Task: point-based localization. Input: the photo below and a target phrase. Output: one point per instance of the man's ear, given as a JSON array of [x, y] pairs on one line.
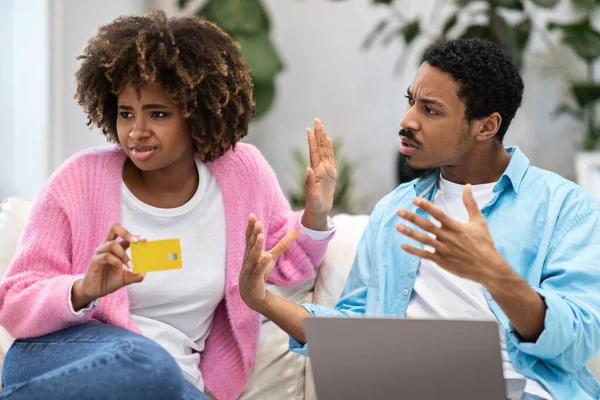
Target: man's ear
[[487, 127]]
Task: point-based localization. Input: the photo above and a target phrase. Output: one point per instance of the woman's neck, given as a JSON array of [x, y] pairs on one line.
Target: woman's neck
[[168, 187]]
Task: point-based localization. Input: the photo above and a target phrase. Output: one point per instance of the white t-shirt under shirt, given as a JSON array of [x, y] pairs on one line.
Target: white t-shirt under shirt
[[440, 294], [175, 308]]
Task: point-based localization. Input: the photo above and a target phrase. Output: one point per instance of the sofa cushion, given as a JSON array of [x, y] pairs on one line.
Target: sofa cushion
[[332, 274], [278, 373]]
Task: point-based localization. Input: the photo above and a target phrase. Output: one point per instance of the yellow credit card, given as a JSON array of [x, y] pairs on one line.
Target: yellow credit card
[[156, 255]]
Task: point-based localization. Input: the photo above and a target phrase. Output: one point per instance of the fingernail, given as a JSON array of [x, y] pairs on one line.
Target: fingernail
[[125, 268], [401, 228], [130, 265], [134, 239], [401, 213]]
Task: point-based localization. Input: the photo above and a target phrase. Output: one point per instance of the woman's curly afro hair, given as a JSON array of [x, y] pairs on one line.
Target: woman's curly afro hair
[[197, 64]]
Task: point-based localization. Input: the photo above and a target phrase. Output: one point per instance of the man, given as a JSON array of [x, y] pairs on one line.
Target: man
[[481, 234]]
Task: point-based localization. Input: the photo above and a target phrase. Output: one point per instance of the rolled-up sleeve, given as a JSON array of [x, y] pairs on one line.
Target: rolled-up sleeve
[[570, 288]]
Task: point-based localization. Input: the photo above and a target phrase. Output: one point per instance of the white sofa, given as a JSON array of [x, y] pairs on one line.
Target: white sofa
[[278, 374]]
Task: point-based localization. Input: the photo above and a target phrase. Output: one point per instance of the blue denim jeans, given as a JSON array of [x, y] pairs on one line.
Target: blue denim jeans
[[93, 361]]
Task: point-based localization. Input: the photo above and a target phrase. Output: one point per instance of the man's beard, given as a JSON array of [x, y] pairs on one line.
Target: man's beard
[[405, 173]]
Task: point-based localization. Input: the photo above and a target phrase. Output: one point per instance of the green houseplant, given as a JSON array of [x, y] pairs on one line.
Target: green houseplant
[[248, 23], [583, 38], [484, 19]]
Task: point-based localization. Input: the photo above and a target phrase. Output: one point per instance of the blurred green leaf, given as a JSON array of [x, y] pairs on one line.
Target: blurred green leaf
[[382, 1], [581, 37], [545, 3], [450, 23], [592, 138], [411, 31], [511, 4], [563, 109], [586, 4], [523, 30], [264, 96], [387, 39], [237, 17], [586, 93], [375, 32], [261, 56], [182, 3], [477, 31], [507, 37], [503, 33]]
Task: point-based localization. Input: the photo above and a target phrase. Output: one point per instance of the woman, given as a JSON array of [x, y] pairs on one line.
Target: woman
[[175, 96]]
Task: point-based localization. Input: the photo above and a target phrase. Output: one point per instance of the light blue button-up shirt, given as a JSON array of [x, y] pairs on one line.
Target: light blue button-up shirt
[[548, 230]]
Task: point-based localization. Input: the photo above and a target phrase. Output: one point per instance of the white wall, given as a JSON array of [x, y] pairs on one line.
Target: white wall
[[42, 124], [6, 102], [354, 92], [24, 97]]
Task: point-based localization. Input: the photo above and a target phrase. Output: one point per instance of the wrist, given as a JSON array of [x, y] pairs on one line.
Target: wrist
[[262, 307], [78, 296], [315, 221], [498, 276]]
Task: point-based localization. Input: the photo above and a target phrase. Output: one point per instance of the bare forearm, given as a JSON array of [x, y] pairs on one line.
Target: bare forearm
[[523, 306], [286, 314], [79, 299]]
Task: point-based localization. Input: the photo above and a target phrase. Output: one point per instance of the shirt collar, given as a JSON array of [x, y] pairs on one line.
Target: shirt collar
[[513, 175]]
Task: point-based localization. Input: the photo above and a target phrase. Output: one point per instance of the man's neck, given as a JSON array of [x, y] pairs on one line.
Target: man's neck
[[484, 165]]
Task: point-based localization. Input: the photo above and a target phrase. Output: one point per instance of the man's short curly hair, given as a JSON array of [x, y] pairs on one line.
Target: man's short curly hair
[[488, 78], [197, 64]]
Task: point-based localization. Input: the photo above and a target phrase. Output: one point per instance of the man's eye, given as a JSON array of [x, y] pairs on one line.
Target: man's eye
[[430, 110]]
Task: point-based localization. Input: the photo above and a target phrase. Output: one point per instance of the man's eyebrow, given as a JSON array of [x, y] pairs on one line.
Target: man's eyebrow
[[424, 99]]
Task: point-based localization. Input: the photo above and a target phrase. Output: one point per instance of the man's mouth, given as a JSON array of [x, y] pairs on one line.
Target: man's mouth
[[408, 143]]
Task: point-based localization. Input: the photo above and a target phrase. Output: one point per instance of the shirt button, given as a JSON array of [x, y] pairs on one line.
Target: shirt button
[[233, 287], [252, 364], [405, 292], [239, 324]]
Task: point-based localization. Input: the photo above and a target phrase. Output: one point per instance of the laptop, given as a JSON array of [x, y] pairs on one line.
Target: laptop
[[392, 358]]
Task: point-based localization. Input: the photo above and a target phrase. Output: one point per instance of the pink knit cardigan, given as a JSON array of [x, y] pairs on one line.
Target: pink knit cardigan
[[74, 211]]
